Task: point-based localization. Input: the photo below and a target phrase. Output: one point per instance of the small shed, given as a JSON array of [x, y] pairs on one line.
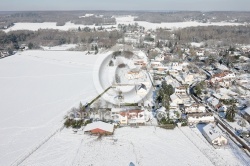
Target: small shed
[[99, 128]]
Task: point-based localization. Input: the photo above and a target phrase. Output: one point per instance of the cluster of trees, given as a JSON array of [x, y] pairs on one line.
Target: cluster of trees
[[199, 87], [34, 39], [227, 35], [61, 17], [231, 113], [126, 54], [75, 118], [164, 94], [181, 16]]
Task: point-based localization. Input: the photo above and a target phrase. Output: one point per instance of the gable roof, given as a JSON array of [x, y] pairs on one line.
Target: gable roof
[[99, 125]]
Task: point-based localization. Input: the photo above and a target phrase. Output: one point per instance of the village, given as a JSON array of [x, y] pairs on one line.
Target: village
[[144, 89], [169, 85]]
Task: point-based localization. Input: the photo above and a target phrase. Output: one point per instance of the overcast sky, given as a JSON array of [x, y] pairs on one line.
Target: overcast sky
[[198, 5]]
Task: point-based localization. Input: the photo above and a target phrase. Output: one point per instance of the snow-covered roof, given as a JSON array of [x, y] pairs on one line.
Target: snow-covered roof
[[247, 110], [213, 101], [212, 132], [162, 109], [174, 97], [216, 95], [99, 125]]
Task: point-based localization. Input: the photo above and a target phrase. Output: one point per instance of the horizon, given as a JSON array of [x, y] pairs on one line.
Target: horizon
[[129, 5]]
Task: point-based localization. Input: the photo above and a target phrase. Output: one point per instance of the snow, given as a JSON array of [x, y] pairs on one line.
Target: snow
[[227, 155], [50, 25], [119, 20], [86, 15], [63, 47], [37, 89], [104, 77], [194, 44], [161, 147], [100, 125]]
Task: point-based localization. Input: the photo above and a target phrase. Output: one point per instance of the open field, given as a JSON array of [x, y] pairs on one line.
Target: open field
[[142, 146], [37, 89]]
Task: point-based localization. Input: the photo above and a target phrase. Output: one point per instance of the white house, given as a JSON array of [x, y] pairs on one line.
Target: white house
[[181, 90], [195, 108], [159, 57], [213, 135], [200, 53], [134, 75], [187, 78], [176, 99], [213, 102], [176, 66]]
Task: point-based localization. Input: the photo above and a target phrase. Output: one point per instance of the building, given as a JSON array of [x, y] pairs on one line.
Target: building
[[225, 75], [176, 66], [134, 74], [187, 78], [181, 90], [213, 135], [200, 118], [213, 102], [176, 99], [246, 114], [194, 108], [99, 128]]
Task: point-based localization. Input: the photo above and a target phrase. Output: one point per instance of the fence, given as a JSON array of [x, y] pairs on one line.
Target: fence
[[22, 158]]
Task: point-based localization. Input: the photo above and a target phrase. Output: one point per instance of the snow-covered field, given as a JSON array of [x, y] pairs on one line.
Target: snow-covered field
[[37, 89], [63, 47], [142, 146], [119, 20], [145, 146]]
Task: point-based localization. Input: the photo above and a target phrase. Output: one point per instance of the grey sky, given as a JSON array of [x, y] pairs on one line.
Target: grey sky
[[229, 5]]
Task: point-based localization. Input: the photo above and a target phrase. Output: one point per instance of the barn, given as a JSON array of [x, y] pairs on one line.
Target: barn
[[99, 128]]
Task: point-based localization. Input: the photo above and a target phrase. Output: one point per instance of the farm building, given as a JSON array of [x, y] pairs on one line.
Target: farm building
[[99, 128]]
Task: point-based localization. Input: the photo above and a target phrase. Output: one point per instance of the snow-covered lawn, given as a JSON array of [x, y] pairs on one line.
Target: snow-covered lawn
[[227, 155], [37, 89], [142, 146]]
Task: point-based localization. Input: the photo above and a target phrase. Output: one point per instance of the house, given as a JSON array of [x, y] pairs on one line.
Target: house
[[159, 58], [246, 114], [187, 78], [200, 53], [213, 102], [225, 75], [213, 135], [99, 128], [200, 118], [142, 89], [155, 64], [134, 74], [134, 117], [195, 108], [176, 66], [139, 62], [222, 108], [181, 90], [176, 99]]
